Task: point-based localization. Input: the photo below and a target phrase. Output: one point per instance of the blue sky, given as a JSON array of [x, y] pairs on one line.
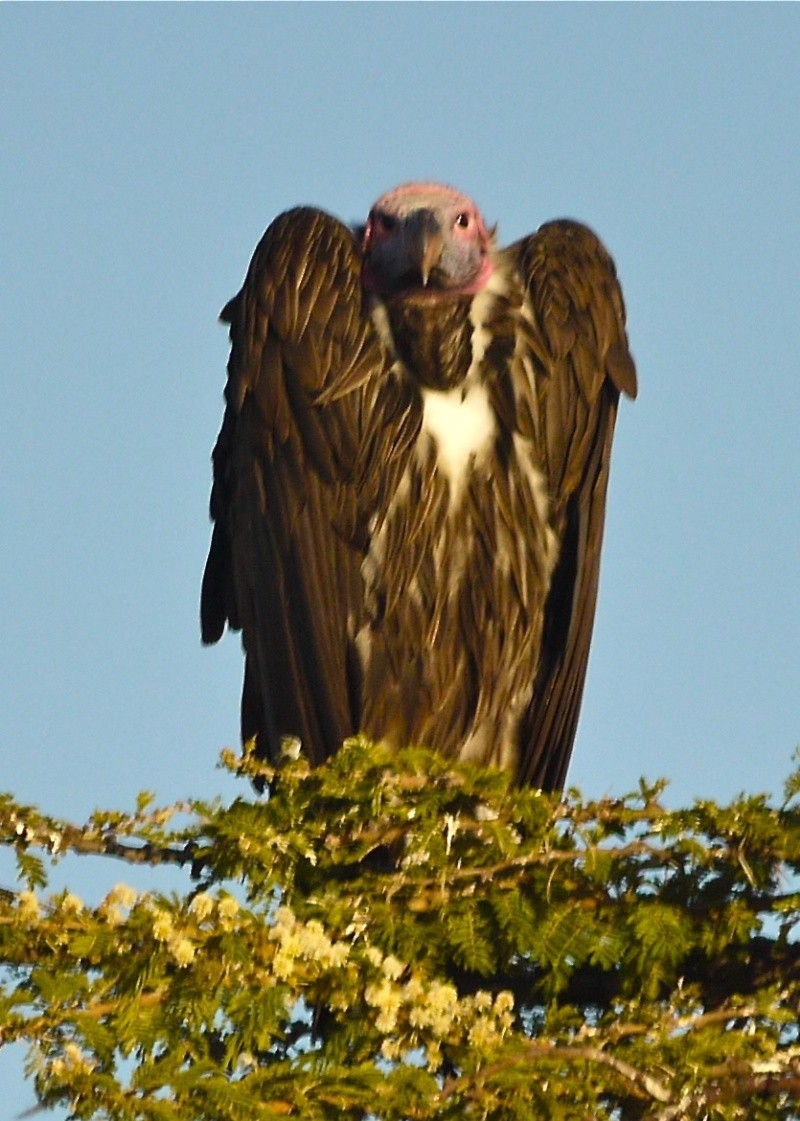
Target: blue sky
[[145, 149]]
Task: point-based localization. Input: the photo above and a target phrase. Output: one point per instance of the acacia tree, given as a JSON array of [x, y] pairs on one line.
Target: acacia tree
[[389, 938]]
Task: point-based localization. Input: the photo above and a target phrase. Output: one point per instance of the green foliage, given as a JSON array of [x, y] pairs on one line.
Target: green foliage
[[390, 938]]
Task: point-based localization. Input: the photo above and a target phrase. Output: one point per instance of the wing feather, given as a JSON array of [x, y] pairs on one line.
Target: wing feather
[[578, 350], [284, 562]]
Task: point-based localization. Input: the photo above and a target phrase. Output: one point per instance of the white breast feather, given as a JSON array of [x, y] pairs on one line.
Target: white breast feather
[[461, 421], [462, 426]]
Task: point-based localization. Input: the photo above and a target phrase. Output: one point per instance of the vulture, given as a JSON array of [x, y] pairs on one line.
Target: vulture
[[409, 483]]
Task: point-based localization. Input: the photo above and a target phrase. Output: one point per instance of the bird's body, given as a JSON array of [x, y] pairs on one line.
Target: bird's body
[[410, 481]]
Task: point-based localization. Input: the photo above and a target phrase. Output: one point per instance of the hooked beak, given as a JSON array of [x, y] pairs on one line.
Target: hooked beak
[[425, 242]]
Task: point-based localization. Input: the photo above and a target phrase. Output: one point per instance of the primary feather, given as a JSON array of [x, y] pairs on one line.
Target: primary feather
[[410, 480]]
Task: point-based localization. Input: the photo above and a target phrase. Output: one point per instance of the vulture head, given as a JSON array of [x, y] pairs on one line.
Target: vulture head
[[426, 239]]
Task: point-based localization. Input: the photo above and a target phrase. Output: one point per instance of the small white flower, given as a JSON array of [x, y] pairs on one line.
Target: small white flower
[[162, 926], [28, 905], [122, 894], [227, 908], [75, 1059], [504, 1002], [202, 905], [338, 954], [284, 916], [433, 1056], [392, 967], [291, 748], [482, 1033], [390, 1049], [182, 950], [374, 956]]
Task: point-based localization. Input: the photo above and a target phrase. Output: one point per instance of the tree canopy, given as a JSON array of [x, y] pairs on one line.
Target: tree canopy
[[391, 938]]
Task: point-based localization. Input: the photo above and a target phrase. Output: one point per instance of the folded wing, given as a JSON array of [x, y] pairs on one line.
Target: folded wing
[[284, 561], [578, 353]]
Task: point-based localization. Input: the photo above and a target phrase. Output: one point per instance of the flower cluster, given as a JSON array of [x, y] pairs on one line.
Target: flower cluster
[[203, 906], [303, 942], [180, 947], [120, 899], [414, 1013], [28, 906], [73, 1061]]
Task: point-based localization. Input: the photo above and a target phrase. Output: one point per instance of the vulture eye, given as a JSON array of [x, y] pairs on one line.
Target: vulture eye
[[387, 222], [463, 219]]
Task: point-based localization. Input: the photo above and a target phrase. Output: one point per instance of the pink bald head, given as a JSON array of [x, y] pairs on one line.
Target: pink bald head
[[426, 239]]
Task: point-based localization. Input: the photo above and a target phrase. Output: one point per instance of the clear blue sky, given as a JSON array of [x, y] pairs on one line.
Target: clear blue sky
[[145, 149]]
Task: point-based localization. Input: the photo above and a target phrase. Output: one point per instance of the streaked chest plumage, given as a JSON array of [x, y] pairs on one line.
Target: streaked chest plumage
[[461, 550]]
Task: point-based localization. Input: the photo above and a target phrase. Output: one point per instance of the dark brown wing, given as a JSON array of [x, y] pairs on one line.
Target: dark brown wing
[[284, 561], [579, 354]]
